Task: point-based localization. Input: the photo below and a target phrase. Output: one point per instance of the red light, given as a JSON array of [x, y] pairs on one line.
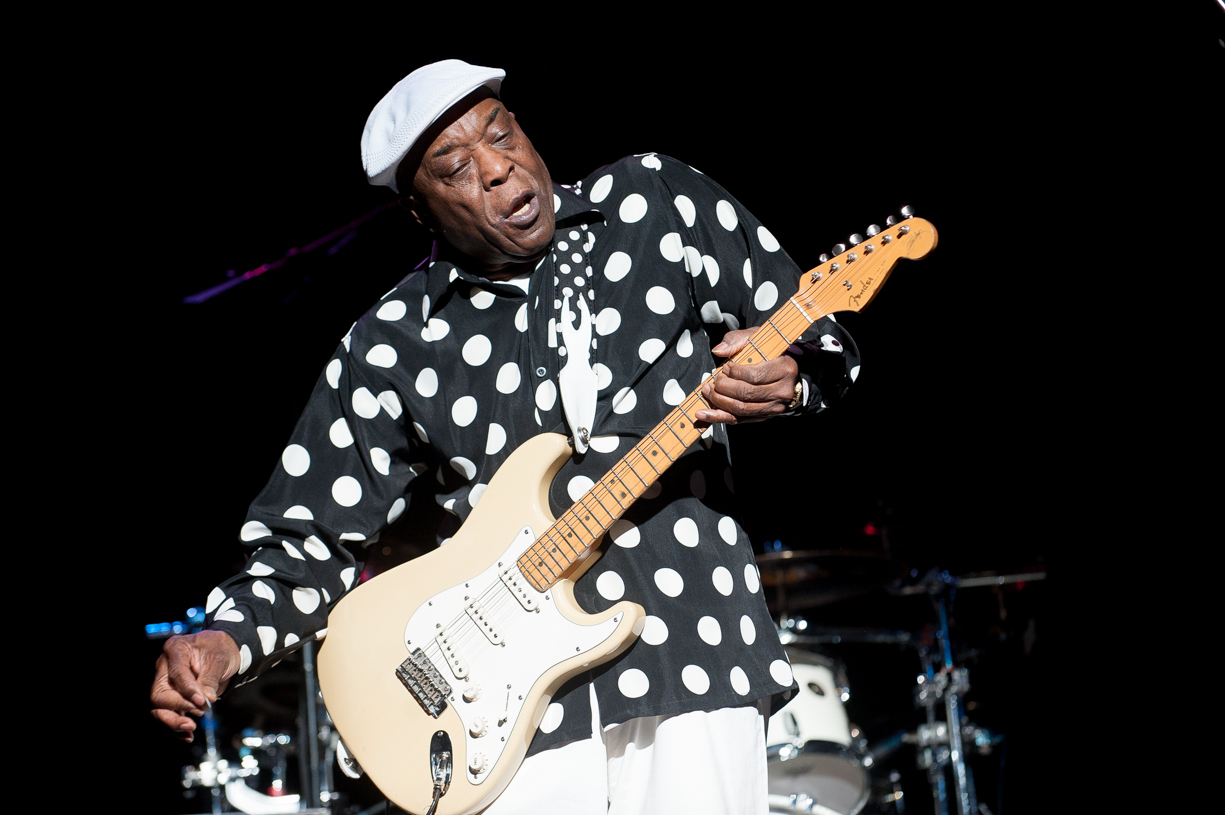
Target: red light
[[869, 528]]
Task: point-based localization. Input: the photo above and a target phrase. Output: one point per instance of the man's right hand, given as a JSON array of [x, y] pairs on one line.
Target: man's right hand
[[191, 673]]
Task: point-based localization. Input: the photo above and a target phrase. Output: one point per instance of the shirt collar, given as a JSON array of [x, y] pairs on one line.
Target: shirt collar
[[571, 210]]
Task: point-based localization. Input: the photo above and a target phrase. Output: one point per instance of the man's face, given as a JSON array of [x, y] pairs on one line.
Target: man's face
[[483, 189]]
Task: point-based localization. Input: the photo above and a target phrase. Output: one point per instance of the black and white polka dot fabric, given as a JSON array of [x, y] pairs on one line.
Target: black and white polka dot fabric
[[450, 372]]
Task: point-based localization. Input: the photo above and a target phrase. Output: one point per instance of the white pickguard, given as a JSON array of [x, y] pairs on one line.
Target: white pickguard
[[530, 643]]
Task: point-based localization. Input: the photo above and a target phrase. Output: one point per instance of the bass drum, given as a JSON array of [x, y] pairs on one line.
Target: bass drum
[[811, 762]]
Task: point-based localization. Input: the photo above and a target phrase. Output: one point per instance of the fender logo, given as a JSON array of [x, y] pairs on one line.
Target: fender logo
[[863, 288]]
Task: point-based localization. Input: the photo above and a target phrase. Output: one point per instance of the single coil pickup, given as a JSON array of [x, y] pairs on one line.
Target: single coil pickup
[[459, 665], [477, 612], [519, 588], [425, 683]]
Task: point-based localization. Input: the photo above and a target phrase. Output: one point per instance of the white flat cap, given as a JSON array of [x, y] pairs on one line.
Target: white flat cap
[[414, 104]]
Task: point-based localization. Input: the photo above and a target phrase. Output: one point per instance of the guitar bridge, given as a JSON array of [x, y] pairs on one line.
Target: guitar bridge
[[427, 685]]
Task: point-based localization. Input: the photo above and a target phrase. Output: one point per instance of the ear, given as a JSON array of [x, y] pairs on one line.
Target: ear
[[419, 213]]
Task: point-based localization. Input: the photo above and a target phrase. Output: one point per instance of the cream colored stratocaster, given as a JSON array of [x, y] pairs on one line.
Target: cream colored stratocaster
[[438, 672]]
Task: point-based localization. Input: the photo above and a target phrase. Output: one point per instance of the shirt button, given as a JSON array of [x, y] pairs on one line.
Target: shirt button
[[541, 372]]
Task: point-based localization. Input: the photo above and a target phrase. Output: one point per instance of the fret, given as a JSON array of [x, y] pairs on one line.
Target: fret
[[595, 515], [770, 322], [641, 452], [662, 449], [761, 357], [583, 523], [684, 446], [556, 562], [613, 494], [539, 554], [626, 462], [571, 533], [574, 551]]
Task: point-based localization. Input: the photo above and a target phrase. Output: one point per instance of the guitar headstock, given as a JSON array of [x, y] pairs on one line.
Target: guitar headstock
[[851, 279]]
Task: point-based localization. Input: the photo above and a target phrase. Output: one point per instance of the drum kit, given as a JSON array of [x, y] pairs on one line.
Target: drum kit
[[818, 761]]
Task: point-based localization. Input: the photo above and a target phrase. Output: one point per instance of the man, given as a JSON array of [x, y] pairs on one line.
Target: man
[[589, 310]]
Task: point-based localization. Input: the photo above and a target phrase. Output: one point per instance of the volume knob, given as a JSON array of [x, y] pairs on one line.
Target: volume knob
[[478, 727], [477, 763], [472, 693]]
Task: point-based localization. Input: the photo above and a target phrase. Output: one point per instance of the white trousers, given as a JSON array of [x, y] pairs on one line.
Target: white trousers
[[709, 762]]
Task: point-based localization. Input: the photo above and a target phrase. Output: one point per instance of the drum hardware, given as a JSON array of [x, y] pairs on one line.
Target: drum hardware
[[807, 579]]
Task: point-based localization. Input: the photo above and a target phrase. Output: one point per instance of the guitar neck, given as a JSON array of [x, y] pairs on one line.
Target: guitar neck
[[845, 283]]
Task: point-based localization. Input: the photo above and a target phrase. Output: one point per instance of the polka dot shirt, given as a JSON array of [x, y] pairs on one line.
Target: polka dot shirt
[[448, 373]]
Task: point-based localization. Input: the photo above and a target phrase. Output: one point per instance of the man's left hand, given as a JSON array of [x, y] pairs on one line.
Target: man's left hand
[[747, 393]]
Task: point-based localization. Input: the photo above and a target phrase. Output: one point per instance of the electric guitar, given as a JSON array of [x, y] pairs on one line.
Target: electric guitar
[[437, 672]]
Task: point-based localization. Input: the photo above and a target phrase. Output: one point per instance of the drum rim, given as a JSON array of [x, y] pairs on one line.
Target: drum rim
[[829, 748]]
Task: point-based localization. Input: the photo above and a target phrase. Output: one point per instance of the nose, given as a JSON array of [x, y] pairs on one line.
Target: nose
[[495, 166]]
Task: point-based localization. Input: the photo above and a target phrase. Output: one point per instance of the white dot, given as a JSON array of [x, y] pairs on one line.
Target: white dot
[[748, 631], [685, 207], [291, 551], [421, 434], [391, 403], [660, 300], [546, 395], [364, 404], [726, 214], [633, 683], [260, 570], [684, 345], [655, 632], [781, 672], [768, 241], [633, 208], [299, 512], [748, 272], [521, 318], [686, 531], [722, 580], [712, 268], [651, 162], [316, 548], [214, 599], [727, 530], [650, 350], [397, 509], [252, 530], [693, 261], [603, 376], [291, 639], [475, 494], [267, 638], [697, 484], [671, 248], [353, 536], [556, 202], [435, 330], [711, 312], [610, 586], [381, 460], [709, 631], [617, 266], [605, 444], [496, 439], [624, 534], [346, 491], [381, 356], [766, 296], [482, 298], [553, 715], [607, 321], [392, 310], [476, 350], [751, 579], [425, 307], [577, 487], [463, 411], [464, 467], [669, 582], [346, 576], [244, 655], [740, 681], [340, 434], [730, 321], [854, 373], [295, 459], [508, 378], [226, 606], [332, 373], [673, 393], [624, 401], [695, 679], [600, 189], [307, 600]]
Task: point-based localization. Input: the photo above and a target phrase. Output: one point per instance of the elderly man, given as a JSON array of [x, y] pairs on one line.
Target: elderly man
[[588, 309]]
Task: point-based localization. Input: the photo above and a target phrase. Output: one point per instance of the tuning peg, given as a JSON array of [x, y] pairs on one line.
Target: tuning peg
[[839, 248], [907, 212], [856, 239], [891, 220], [874, 229], [822, 258]]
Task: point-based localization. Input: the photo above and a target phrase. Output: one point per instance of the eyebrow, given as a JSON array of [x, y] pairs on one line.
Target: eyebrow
[[447, 148]]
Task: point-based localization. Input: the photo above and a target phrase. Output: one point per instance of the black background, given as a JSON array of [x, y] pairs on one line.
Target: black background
[[226, 145]]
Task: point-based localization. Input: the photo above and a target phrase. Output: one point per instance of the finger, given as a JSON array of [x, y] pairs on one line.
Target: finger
[[730, 387], [783, 369], [183, 727], [733, 341], [731, 410], [181, 673]]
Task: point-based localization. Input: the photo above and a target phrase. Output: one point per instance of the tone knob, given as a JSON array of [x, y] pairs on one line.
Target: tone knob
[[472, 693], [477, 763], [478, 727]]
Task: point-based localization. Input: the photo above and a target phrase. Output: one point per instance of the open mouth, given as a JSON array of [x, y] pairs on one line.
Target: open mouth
[[524, 209]]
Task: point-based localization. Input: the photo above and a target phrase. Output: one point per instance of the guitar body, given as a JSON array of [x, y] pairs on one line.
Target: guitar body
[[511, 651]]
